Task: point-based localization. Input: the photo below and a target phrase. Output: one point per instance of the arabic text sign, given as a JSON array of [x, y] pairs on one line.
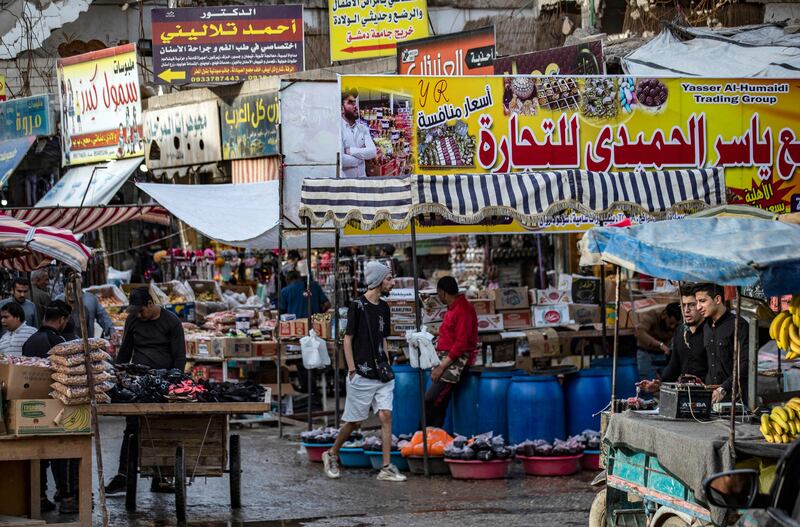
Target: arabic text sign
[[213, 45], [465, 53], [101, 111], [507, 124], [182, 135], [250, 126], [29, 116], [373, 28], [580, 59]]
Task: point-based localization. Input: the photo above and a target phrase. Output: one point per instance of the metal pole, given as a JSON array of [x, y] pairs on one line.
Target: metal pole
[[542, 277], [87, 362], [752, 365], [418, 320], [616, 345], [603, 306], [278, 289], [737, 350], [336, 327], [310, 375]]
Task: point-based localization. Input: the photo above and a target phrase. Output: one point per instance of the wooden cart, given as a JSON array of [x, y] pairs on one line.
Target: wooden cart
[[184, 441]]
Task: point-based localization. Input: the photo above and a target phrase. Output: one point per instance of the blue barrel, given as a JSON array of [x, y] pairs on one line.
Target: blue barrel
[[493, 402], [627, 374], [406, 402], [535, 408], [465, 405], [586, 392]]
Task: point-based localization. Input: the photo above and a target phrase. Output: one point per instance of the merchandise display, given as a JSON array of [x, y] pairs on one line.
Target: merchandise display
[[782, 423], [71, 386]]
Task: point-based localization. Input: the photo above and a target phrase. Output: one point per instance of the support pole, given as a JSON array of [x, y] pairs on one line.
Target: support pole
[[752, 366], [310, 375], [278, 325], [336, 327], [418, 320], [87, 362], [603, 306], [616, 345], [737, 355]]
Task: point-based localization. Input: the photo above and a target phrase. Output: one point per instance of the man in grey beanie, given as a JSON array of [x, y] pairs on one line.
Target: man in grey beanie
[[368, 325]]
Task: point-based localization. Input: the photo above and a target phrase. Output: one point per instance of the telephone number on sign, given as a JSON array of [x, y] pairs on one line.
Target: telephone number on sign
[[217, 78]]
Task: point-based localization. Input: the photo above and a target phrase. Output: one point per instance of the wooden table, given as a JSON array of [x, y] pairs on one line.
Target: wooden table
[[36, 448]]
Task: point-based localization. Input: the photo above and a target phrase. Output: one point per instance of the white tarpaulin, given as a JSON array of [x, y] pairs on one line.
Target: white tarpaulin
[[748, 51], [98, 185]]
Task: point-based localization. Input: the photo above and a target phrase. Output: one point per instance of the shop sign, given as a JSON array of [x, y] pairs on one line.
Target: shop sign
[[182, 135], [250, 126], [464, 53], [101, 111], [29, 116], [373, 28], [2, 88], [11, 153], [218, 45], [579, 59], [604, 123]]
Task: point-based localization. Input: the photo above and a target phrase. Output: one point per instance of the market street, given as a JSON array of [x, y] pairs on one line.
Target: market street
[[283, 489]]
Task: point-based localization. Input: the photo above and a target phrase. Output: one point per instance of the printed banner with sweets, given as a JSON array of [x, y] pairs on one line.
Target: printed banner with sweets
[[373, 28], [250, 126], [465, 53], [101, 108], [499, 124]]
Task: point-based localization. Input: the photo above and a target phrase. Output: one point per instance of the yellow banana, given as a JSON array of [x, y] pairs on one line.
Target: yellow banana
[[792, 428], [794, 335], [784, 438], [795, 301], [780, 412], [795, 400], [765, 420], [781, 423], [783, 333], [776, 324], [794, 405], [796, 317], [790, 413], [777, 430], [770, 438]]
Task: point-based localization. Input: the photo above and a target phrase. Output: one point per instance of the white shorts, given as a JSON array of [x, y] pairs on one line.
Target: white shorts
[[363, 393]]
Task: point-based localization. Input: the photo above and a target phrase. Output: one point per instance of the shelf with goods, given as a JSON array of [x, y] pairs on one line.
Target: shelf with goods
[[390, 127]]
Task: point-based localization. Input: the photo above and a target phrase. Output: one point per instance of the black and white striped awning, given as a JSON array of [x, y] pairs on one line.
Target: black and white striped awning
[[527, 196]]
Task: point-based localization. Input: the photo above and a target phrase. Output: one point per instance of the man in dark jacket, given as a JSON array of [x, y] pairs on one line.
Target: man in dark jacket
[[55, 319]]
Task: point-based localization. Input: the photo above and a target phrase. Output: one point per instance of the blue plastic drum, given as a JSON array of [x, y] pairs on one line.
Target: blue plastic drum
[[586, 394], [535, 408], [493, 402]]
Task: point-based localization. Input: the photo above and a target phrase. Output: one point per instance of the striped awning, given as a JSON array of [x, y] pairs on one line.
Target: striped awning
[[526, 196], [25, 248], [88, 219]]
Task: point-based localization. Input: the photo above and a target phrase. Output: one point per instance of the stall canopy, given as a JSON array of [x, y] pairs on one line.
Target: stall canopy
[[704, 250], [90, 185], [527, 196], [12, 151], [87, 219], [25, 248]]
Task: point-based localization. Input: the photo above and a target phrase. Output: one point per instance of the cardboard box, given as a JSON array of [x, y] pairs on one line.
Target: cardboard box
[[517, 319], [202, 347], [550, 316], [511, 298], [232, 347], [2, 415], [585, 290], [551, 296], [47, 417], [611, 289], [483, 306], [585, 314], [24, 382], [208, 290], [490, 323], [212, 372], [322, 329], [544, 342], [399, 327], [293, 329], [246, 290], [401, 308], [628, 311], [265, 348], [433, 315]]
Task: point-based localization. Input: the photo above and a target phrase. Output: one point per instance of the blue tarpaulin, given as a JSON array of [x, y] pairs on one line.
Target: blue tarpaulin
[[11, 153], [724, 251]]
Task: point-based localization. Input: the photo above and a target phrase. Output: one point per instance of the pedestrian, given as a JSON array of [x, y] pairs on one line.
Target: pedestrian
[[370, 380], [654, 331], [40, 291], [17, 331], [19, 294], [294, 300], [50, 333], [93, 310], [457, 346], [152, 337]]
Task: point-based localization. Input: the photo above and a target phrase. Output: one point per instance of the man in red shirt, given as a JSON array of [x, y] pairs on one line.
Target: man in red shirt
[[457, 347]]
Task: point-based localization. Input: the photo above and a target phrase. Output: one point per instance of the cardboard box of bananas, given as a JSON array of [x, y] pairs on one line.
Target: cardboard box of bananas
[[785, 329], [782, 424]]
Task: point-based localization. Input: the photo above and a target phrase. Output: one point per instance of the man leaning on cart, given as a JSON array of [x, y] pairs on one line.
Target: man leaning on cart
[[152, 337]]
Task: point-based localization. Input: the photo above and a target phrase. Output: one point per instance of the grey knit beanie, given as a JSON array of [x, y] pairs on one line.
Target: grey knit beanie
[[374, 274]]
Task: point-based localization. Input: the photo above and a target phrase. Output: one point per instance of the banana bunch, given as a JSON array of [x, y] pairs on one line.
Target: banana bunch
[[78, 419], [782, 424], [785, 329]]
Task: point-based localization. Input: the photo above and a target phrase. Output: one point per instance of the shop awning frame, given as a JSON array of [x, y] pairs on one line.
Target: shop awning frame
[[26, 248], [87, 219], [90, 185]]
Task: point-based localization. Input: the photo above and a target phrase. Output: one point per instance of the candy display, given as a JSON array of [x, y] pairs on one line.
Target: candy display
[[651, 92], [557, 93], [19, 360], [599, 98], [519, 96], [627, 95], [446, 146]]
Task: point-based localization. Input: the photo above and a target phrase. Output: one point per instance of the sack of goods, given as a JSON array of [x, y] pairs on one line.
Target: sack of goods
[[71, 383]]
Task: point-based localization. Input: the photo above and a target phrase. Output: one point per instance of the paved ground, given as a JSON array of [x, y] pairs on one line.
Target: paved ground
[[280, 488]]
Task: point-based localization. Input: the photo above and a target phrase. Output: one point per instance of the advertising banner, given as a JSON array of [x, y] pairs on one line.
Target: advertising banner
[[749, 127], [29, 116], [373, 28], [3, 88], [101, 110], [182, 135], [218, 45], [250, 126], [456, 54], [580, 59]]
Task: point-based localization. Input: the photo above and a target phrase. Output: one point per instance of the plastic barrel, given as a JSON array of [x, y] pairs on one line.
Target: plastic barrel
[[492, 402], [465, 405], [535, 408], [406, 402], [586, 393], [627, 374]]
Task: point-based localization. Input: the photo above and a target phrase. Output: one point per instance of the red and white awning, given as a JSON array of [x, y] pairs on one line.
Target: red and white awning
[[81, 220], [25, 248]]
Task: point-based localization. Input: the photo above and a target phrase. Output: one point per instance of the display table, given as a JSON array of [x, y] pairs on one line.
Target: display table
[[36, 448]]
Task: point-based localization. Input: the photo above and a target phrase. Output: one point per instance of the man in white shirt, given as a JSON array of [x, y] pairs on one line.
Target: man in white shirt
[[357, 144], [17, 332]]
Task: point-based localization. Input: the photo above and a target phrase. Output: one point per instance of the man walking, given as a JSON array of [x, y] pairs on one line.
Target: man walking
[[370, 381], [457, 347], [19, 294], [17, 331]]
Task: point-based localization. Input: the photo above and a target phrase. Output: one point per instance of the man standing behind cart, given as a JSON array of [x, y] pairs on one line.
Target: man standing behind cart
[[718, 340], [457, 346], [370, 381], [653, 334], [152, 337]]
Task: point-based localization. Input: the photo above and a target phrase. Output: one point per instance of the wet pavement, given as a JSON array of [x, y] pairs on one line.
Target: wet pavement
[[281, 489]]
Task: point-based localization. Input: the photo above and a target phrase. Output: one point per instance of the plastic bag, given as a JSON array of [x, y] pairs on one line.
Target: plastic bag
[[73, 347], [81, 380], [80, 369], [468, 454], [75, 392], [314, 351], [101, 398], [485, 455], [501, 452], [421, 352], [77, 358]]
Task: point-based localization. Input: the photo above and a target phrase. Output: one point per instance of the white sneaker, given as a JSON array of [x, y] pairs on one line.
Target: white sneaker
[[331, 464], [391, 473]]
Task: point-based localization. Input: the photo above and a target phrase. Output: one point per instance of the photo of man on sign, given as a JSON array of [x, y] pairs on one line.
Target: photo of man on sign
[[357, 144]]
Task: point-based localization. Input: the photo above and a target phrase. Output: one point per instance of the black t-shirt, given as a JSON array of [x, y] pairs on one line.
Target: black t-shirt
[[158, 343], [365, 318], [41, 342], [688, 355]]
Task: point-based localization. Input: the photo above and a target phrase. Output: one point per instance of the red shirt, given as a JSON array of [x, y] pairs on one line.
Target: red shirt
[[459, 331]]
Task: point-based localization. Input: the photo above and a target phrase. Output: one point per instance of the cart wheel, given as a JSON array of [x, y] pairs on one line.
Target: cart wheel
[[235, 472], [674, 521], [597, 514], [132, 478], [180, 485]]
